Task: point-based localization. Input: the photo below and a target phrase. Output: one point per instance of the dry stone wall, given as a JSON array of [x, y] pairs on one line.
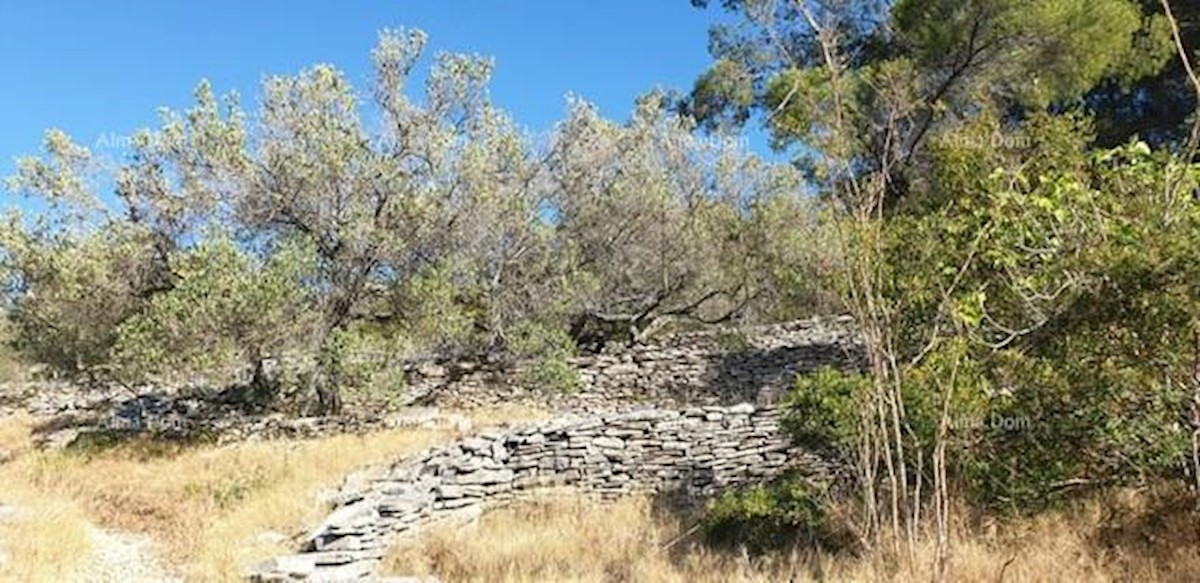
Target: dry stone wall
[[693, 452], [722, 367], [687, 416]]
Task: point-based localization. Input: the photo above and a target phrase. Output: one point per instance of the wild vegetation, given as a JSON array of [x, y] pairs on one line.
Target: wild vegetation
[[212, 511], [1003, 194], [1023, 290], [567, 539]]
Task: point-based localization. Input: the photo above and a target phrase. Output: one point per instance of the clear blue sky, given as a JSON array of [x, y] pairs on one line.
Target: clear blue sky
[[100, 70]]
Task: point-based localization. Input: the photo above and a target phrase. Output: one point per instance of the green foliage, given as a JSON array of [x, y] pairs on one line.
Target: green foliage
[[14, 366], [225, 312], [366, 364], [1040, 302], [723, 91], [1027, 299], [732, 341], [436, 315], [302, 230], [1109, 376], [1068, 328], [790, 250], [73, 292], [914, 70], [773, 517], [660, 226], [824, 409], [545, 353], [1050, 51], [553, 373]]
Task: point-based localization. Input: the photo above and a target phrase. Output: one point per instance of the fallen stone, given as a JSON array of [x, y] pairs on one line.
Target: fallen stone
[[298, 566]]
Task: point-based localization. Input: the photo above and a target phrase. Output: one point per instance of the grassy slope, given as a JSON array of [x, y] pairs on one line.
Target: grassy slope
[[214, 511], [566, 539]]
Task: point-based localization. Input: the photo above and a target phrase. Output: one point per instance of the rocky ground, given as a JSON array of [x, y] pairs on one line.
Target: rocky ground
[[72, 414]]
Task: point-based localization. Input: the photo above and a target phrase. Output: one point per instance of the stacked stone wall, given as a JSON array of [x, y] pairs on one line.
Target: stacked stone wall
[[721, 367], [686, 416], [691, 453]]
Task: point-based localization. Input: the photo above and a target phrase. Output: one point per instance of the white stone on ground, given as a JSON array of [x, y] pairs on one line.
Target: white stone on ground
[[119, 557]]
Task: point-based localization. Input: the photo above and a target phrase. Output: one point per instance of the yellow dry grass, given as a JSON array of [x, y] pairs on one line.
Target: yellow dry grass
[[572, 540], [506, 414], [41, 538], [214, 510], [46, 540]]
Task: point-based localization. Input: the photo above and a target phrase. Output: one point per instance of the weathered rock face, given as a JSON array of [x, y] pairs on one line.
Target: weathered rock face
[[707, 368], [694, 453]]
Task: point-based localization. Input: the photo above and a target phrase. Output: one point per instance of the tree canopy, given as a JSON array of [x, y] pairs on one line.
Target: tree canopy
[[1010, 246], [331, 226]]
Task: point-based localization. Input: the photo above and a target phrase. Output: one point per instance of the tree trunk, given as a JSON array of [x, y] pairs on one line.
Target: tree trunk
[[325, 380], [329, 395], [264, 385]]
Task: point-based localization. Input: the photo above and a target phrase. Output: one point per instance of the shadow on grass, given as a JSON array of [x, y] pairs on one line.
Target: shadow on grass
[[139, 445]]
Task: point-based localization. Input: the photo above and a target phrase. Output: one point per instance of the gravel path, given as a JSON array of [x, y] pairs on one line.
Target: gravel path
[[124, 558]]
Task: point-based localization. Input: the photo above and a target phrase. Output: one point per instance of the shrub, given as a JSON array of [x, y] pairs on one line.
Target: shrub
[[732, 341], [13, 367], [367, 365], [225, 312], [545, 352], [823, 409], [74, 292], [770, 517]]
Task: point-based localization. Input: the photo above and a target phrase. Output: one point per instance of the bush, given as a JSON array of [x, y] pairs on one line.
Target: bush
[[763, 518], [553, 373], [545, 353], [823, 409], [13, 366], [367, 366], [225, 312], [75, 291], [733, 341]]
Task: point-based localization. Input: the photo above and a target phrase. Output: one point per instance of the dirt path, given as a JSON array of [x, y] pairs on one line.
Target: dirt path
[[124, 558]]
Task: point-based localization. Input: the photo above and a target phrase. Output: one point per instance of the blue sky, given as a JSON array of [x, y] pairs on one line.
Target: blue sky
[[100, 70]]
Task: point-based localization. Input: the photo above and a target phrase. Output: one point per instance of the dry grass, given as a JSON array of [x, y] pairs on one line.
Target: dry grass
[[47, 540], [41, 538], [506, 414], [572, 540], [215, 511]]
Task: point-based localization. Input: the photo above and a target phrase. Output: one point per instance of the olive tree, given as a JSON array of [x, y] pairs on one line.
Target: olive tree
[[209, 202], [378, 208], [346, 227], [76, 269], [661, 224]]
